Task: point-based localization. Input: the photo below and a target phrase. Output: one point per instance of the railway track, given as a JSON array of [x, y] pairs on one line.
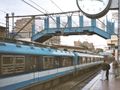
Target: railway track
[[77, 83]]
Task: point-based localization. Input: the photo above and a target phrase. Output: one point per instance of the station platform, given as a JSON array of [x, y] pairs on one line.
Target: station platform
[[97, 84]]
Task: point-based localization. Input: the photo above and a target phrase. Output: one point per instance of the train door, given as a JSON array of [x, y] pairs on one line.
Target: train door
[[57, 62], [33, 63], [19, 64], [79, 60], [48, 62], [30, 63], [39, 63]]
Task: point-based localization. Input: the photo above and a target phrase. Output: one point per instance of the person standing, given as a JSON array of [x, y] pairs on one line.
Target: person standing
[[107, 70], [103, 71], [115, 68]]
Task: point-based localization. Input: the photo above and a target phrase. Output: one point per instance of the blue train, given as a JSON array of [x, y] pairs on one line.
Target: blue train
[[22, 60]]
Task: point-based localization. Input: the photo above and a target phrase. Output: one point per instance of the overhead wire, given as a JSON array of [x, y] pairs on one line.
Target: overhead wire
[[38, 6], [3, 11], [32, 6], [77, 11], [43, 8], [56, 5], [50, 15], [61, 9], [29, 20], [46, 12], [10, 25]]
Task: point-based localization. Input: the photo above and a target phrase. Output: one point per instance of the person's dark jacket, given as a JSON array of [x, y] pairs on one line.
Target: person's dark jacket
[[105, 66]]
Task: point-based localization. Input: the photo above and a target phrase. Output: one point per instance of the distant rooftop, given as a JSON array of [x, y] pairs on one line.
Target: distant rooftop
[[2, 28]]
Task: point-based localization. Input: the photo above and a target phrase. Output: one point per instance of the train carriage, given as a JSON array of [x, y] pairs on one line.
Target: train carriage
[[29, 62], [22, 58]]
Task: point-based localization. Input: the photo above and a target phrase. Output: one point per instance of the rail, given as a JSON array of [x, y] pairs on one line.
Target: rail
[[77, 83], [72, 81]]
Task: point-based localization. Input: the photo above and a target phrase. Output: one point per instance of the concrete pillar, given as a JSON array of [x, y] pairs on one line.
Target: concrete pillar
[[119, 31]]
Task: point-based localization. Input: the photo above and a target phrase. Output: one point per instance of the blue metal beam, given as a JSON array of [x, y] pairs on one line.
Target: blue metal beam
[[33, 27], [69, 30]]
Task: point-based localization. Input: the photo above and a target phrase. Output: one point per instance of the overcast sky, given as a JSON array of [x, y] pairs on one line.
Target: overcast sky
[[21, 8]]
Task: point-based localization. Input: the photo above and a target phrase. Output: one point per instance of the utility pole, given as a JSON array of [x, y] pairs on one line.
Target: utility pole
[[7, 25], [118, 31], [12, 22]]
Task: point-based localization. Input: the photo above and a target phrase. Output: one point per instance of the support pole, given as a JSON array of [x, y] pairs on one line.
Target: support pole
[[12, 22], [33, 27], [7, 25], [118, 58]]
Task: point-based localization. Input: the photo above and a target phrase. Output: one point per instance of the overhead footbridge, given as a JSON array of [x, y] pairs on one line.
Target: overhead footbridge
[[64, 26]]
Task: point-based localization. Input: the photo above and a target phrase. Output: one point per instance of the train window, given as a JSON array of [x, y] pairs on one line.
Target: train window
[[48, 62], [98, 59], [63, 62], [91, 59], [66, 61], [80, 60], [12, 64], [84, 60], [45, 59], [7, 60], [19, 60], [56, 62], [45, 64], [94, 59], [88, 60], [70, 61]]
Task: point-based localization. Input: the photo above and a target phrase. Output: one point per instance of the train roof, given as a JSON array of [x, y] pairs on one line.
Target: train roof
[[88, 55], [11, 48]]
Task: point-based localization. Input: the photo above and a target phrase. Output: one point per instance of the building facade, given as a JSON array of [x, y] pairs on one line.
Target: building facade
[[26, 33], [85, 44], [2, 31]]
